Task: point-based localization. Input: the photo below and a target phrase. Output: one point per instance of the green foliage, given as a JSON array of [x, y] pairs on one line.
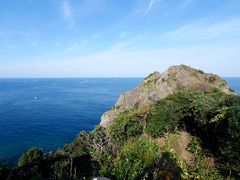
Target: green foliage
[[221, 133], [106, 164], [212, 79], [200, 71], [181, 110], [150, 75], [127, 124], [203, 166], [167, 167], [34, 156], [81, 145], [165, 116], [137, 156], [231, 90], [214, 117], [228, 136]]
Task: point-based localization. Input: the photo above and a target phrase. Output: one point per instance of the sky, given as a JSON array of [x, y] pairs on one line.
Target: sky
[[117, 38]]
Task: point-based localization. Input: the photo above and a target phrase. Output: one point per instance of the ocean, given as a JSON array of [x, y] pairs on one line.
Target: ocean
[[48, 113]]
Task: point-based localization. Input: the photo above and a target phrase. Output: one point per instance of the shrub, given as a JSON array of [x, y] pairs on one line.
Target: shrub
[[231, 90], [200, 71], [127, 124], [182, 110], [212, 79], [167, 167], [202, 167], [80, 146], [34, 156], [106, 164], [228, 133], [137, 156], [167, 114]]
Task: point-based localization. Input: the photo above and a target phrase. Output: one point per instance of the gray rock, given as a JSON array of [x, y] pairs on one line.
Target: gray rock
[[159, 85]]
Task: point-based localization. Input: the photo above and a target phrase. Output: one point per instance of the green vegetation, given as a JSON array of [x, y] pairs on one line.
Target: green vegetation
[[200, 71], [164, 117], [212, 79], [230, 89], [181, 110], [34, 156], [136, 158], [126, 125], [186, 135], [203, 167]]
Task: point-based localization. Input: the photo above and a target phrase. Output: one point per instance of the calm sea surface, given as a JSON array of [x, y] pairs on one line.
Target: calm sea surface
[[49, 113]]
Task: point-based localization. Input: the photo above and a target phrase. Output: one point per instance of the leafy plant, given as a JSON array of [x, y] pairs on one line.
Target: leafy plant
[[166, 116], [137, 156], [34, 156], [127, 124]]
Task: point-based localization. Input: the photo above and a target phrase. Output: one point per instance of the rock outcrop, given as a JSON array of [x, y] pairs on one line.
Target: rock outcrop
[[159, 85]]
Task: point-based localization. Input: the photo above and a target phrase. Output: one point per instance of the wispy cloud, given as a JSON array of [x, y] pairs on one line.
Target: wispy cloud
[[201, 30], [144, 7], [67, 12], [151, 5], [185, 3], [133, 64], [164, 7], [75, 46]]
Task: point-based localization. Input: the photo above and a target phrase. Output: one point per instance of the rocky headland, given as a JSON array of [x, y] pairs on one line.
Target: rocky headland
[[179, 124]]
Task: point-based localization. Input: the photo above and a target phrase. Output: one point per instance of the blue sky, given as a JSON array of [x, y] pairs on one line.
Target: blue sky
[[113, 38]]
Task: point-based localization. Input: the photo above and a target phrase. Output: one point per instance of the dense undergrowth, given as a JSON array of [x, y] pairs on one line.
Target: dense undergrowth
[[147, 145]]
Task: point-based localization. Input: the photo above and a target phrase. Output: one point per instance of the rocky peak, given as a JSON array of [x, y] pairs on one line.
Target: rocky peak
[[152, 77], [158, 85]]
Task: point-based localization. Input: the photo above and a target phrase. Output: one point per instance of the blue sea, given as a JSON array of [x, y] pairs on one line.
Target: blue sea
[[48, 113]]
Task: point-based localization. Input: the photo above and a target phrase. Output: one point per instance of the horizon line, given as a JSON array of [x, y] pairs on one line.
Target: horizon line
[[90, 77]]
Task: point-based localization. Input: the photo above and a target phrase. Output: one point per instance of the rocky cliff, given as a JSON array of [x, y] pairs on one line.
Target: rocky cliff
[[185, 124], [159, 85]]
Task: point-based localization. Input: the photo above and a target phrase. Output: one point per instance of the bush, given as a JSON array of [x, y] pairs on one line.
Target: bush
[[80, 146], [221, 134], [165, 116], [184, 110], [201, 168], [200, 71], [137, 156], [34, 156], [212, 79], [127, 124], [106, 164], [228, 134]]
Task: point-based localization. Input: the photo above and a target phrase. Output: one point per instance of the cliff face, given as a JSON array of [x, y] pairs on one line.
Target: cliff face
[[159, 85]]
